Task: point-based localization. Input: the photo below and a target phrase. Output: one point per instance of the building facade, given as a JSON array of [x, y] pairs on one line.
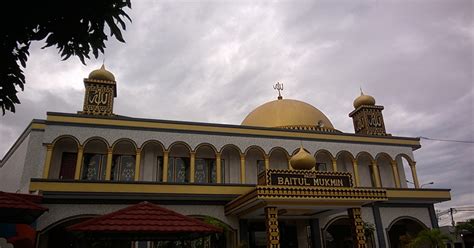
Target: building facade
[[251, 178]]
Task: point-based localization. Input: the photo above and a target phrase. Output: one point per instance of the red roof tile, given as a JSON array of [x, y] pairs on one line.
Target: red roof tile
[[19, 201], [144, 217], [19, 208]]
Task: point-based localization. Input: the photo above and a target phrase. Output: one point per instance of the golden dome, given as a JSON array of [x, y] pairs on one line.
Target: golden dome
[[364, 100], [288, 113], [302, 160], [102, 74]]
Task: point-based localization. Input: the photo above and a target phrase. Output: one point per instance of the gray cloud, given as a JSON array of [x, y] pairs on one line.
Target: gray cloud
[[216, 61]]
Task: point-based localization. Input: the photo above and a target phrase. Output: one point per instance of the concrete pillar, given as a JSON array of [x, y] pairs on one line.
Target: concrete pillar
[[137, 164], [218, 168], [267, 162], [273, 233], [108, 168], [242, 168], [80, 155], [192, 166], [414, 175], [165, 165], [375, 170], [334, 164], [396, 175], [357, 227], [355, 168], [47, 160]]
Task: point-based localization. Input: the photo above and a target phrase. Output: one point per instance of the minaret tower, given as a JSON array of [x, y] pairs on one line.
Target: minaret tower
[[367, 116], [101, 90]]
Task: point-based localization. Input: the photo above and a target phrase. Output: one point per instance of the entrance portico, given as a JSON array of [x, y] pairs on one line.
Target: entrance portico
[[295, 198]]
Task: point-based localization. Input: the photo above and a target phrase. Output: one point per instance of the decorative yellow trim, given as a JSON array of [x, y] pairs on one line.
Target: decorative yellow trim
[[413, 173], [80, 155], [420, 194], [375, 170], [230, 130], [137, 164], [218, 167], [267, 162], [242, 168], [396, 175], [117, 187], [355, 168], [334, 164], [273, 233], [165, 165], [357, 226], [108, 168], [47, 161], [192, 166], [38, 126], [303, 195]]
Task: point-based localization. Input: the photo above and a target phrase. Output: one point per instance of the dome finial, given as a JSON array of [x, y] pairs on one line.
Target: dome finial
[[363, 100], [278, 87]]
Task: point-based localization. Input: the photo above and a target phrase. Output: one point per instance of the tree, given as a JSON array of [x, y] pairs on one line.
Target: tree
[[467, 226], [432, 238], [75, 28]]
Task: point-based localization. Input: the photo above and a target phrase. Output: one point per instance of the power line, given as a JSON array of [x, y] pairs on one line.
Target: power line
[[447, 140]]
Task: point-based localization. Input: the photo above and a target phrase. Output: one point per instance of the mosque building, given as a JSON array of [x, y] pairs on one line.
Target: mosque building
[[285, 177]]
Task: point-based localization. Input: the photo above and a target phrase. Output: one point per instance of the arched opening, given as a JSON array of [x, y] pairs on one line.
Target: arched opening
[[179, 163], [151, 165], [406, 176], [338, 234], [403, 230], [230, 156], [385, 170], [123, 161], [64, 158], [56, 235], [254, 163], [323, 160], [366, 172], [206, 170], [279, 158], [344, 162], [94, 162]]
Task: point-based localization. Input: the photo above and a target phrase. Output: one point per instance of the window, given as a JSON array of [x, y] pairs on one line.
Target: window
[[93, 167], [321, 167], [206, 171], [260, 166], [159, 169], [178, 170], [68, 165], [123, 168]]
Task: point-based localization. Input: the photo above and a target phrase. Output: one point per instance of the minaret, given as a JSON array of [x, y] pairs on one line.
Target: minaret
[[367, 116], [100, 93]]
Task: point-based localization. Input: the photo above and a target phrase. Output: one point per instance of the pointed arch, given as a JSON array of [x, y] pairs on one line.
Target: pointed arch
[[96, 138], [360, 154], [153, 141], [279, 148], [204, 145], [67, 136], [179, 143], [232, 146], [255, 147], [345, 152], [383, 155], [124, 140], [323, 151], [405, 156]]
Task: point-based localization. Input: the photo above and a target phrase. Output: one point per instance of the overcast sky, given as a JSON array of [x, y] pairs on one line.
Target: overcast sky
[[216, 61]]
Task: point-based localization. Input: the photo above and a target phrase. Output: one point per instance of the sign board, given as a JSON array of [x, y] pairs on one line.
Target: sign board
[[305, 178]]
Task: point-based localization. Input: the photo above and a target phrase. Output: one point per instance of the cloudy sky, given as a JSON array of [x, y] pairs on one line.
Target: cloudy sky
[[214, 61]]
